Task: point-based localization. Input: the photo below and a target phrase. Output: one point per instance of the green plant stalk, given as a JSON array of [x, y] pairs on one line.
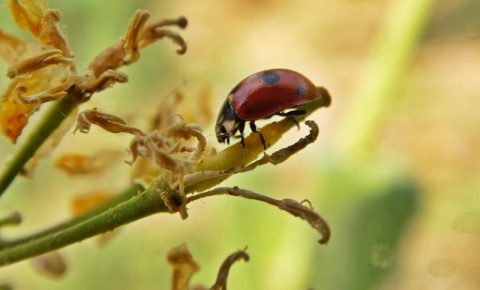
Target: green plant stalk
[[376, 97], [141, 205], [132, 191], [50, 121]]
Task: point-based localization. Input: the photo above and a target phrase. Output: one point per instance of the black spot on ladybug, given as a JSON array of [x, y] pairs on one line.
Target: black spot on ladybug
[[270, 77], [235, 88], [301, 91]]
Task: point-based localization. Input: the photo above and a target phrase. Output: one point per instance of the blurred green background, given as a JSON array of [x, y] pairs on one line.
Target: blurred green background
[[394, 172]]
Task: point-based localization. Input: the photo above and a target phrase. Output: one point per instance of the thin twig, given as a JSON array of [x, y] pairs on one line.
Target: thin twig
[[288, 205], [222, 276]]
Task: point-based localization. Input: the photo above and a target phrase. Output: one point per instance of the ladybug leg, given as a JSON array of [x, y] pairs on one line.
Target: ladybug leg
[[253, 127], [295, 113], [292, 115], [241, 128]]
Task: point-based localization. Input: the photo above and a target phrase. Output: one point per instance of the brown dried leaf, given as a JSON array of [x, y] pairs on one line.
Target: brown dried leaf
[[288, 205], [91, 84], [137, 37], [183, 265], [51, 34], [37, 62], [132, 37], [36, 80], [108, 122], [153, 32], [307, 214], [221, 282], [109, 59]]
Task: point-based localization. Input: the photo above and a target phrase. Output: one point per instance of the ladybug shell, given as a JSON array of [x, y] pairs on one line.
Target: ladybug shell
[[268, 92]]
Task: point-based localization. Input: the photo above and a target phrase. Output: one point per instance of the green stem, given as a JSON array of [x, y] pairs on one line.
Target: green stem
[[132, 191], [376, 94], [50, 121], [136, 207]]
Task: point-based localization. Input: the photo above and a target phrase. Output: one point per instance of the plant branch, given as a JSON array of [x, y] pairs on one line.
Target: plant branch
[[132, 191], [141, 205], [289, 205]]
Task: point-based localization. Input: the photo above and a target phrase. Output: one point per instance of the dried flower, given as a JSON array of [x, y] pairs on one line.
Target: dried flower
[[44, 71]]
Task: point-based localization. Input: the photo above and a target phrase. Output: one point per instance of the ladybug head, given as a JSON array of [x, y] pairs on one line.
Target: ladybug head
[[227, 122]]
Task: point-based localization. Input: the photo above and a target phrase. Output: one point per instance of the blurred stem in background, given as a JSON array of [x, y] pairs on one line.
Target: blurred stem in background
[[371, 203], [376, 93]]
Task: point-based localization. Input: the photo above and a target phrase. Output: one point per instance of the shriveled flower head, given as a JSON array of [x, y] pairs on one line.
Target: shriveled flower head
[[39, 71], [44, 70]]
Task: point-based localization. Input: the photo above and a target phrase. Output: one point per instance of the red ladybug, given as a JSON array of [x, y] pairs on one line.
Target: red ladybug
[[263, 95]]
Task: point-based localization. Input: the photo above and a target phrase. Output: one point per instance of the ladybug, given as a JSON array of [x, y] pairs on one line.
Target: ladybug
[[260, 96]]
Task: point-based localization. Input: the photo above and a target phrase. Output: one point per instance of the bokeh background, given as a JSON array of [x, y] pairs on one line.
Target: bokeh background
[[395, 170]]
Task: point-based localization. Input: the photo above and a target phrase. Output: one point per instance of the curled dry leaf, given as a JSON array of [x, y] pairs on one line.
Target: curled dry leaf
[[152, 32], [37, 62], [221, 282], [108, 122], [138, 36], [90, 84], [27, 92], [52, 34], [307, 214], [184, 266], [288, 205]]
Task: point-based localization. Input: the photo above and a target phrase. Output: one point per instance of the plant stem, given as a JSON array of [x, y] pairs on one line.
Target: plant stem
[[50, 121], [137, 207], [132, 191], [376, 95]]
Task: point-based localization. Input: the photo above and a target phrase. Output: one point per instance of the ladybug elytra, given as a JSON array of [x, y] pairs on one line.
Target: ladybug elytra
[[260, 96]]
